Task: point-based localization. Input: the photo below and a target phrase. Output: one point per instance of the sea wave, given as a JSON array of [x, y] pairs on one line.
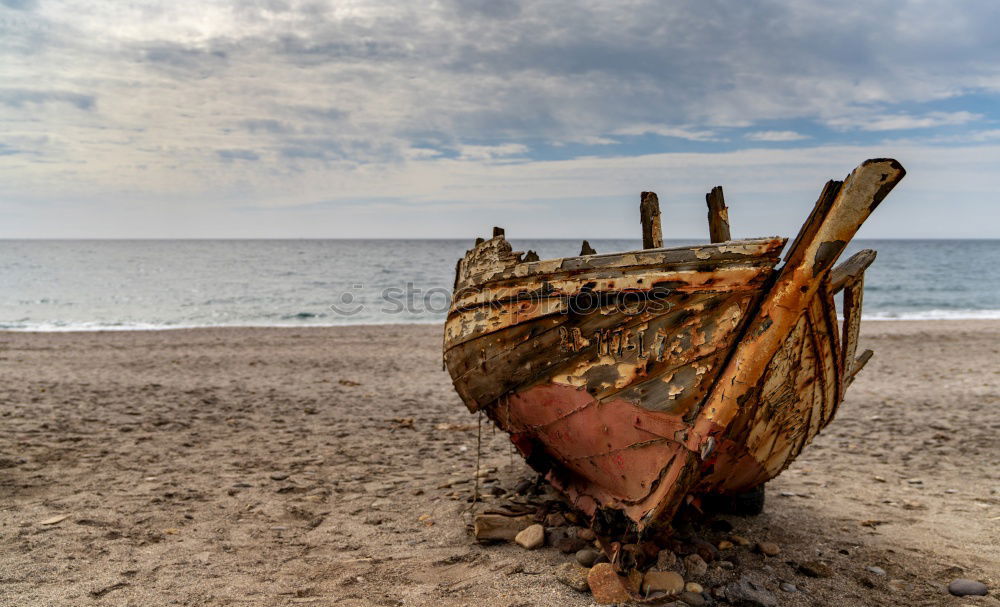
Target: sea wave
[[46, 327], [931, 315], [50, 327]]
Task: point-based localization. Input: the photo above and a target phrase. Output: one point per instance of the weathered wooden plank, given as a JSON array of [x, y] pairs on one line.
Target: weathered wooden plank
[[649, 213], [599, 284], [658, 364], [718, 215], [853, 294], [523, 363], [499, 527], [851, 269], [493, 260], [464, 325], [835, 220]]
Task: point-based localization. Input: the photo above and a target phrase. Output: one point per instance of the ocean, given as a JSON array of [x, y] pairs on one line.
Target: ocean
[[59, 285]]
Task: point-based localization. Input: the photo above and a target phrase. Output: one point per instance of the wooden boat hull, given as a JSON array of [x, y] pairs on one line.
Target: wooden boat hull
[[636, 379]]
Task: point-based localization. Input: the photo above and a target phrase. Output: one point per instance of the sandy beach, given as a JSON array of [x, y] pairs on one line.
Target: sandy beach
[[332, 466]]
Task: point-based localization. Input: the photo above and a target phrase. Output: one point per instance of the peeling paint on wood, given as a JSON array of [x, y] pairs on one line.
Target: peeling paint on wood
[[632, 380]]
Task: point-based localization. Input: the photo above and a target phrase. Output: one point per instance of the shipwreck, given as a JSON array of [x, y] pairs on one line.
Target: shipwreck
[[640, 380]]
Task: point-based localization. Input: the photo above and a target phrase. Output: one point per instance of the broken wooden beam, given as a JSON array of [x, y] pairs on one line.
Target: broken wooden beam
[[851, 269], [497, 231], [649, 213], [858, 364], [586, 249], [499, 527], [718, 215]]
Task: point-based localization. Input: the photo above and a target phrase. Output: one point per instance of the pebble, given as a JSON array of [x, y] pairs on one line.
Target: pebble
[[749, 593], [665, 560], [530, 538], [875, 570], [964, 587], [587, 556], [768, 548], [788, 587], [606, 586], [569, 545], [740, 540], [693, 599], [695, 566], [278, 476], [694, 587], [705, 550], [815, 569], [585, 534], [662, 581], [726, 545], [573, 576]]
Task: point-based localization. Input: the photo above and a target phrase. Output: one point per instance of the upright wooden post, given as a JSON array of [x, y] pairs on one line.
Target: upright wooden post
[[649, 212], [718, 215], [586, 249]]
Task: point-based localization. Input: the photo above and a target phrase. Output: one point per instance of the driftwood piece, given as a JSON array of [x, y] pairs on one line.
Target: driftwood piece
[[499, 527], [497, 231], [718, 215], [851, 269], [649, 212], [586, 249]]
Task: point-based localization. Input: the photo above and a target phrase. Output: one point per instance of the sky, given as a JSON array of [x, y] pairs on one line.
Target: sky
[[440, 119]]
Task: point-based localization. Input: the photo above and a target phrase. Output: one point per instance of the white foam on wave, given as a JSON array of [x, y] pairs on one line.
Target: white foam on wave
[[94, 327], [932, 315]]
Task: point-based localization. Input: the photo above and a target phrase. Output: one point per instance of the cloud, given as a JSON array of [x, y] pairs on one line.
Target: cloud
[[490, 152], [170, 100], [669, 131], [901, 122], [775, 136], [19, 98], [237, 155]]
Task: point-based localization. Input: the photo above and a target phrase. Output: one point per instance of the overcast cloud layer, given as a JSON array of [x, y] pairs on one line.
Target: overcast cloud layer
[[438, 119]]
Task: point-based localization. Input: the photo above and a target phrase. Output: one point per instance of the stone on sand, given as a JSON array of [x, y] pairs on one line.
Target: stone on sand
[[768, 548], [665, 560], [815, 569], [749, 593], [573, 576], [964, 587], [531, 537], [695, 566], [662, 581], [606, 586], [587, 556]]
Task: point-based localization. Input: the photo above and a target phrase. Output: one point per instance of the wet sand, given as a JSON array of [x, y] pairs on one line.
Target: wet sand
[[333, 466]]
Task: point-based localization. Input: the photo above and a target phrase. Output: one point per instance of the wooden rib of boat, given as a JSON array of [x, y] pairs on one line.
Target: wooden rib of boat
[[633, 380]]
